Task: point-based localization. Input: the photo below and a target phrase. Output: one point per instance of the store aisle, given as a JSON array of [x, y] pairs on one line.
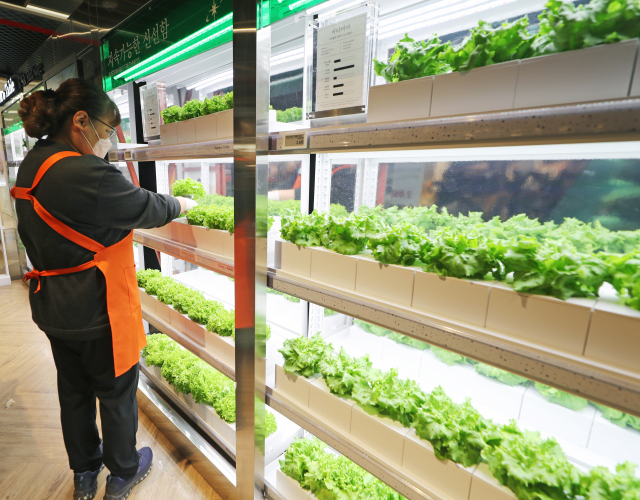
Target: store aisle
[[33, 462]]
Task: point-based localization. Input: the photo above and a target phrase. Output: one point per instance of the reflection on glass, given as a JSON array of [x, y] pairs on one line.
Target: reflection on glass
[[548, 190]]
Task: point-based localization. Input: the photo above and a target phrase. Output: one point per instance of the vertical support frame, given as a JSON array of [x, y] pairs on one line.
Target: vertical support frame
[[251, 62], [204, 176], [322, 193]]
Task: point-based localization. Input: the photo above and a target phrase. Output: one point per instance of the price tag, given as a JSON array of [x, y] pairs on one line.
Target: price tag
[[228, 269], [297, 140], [223, 149]]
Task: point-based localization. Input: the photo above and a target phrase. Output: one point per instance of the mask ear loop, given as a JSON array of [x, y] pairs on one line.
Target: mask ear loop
[[85, 138], [94, 129]]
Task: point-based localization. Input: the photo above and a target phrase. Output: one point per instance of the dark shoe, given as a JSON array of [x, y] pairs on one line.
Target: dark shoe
[[86, 483], [118, 488]]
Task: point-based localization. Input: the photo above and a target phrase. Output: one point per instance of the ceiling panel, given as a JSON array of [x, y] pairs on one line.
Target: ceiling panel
[[20, 41]]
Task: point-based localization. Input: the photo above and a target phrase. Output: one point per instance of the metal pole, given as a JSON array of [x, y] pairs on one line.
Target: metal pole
[[251, 63]]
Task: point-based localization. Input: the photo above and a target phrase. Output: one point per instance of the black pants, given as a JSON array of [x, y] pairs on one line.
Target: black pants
[[85, 371]]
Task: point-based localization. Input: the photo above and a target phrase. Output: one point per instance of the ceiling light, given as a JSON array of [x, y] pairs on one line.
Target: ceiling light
[[47, 12]]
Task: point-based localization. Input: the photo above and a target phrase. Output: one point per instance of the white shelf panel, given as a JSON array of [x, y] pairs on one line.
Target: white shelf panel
[[196, 150], [214, 286], [613, 120], [218, 263]]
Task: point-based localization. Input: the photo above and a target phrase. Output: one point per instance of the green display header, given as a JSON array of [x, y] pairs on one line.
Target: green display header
[[165, 34], [169, 32], [279, 9], [12, 128]]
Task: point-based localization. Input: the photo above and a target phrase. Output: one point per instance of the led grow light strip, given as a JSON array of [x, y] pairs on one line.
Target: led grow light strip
[[322, 6], [176, 45], [178, 54], [445, 14], [209, 81], [300, 3], [427, 13], [48, 12], [284, 57], [330, 5]]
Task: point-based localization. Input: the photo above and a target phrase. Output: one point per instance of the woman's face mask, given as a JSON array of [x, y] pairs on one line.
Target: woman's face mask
[[101, 147]]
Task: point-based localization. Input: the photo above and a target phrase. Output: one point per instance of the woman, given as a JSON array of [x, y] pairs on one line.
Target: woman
[[76, 213]]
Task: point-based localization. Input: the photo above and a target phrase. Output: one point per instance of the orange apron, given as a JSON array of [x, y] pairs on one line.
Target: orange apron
[[119, 269]]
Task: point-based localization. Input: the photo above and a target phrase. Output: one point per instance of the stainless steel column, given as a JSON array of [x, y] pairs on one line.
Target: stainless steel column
[[250, 192]]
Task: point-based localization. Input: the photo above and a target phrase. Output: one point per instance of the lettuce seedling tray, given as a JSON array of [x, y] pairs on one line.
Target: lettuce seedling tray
[[213, 241], [225, 430], [201, 129], [593, 74], [574, 327]]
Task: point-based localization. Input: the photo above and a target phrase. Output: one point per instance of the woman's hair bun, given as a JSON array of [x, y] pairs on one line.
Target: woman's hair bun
[[38, 113], [49, 94], [49, 112]]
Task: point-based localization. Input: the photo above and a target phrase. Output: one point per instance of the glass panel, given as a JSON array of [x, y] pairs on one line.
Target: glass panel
[[287, 62], [542, 185], [580, 201], [11, 119], [121, 98]]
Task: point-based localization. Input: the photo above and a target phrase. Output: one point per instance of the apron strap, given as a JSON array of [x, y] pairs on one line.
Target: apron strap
[[58, 226], [49, 162], [57, 272], [20, 193]]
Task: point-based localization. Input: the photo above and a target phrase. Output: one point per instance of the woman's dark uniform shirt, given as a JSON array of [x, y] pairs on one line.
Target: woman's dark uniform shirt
[[94, 198]]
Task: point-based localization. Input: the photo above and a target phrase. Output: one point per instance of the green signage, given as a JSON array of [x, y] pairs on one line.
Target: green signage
[[170, 31], [279, 9], [164, 34], [12, 128]]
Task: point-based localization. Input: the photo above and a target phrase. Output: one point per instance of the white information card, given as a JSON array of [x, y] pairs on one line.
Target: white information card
[[151, 113], [341, 65]]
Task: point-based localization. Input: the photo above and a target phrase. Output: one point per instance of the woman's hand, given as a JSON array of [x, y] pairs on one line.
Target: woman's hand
[[282, 194], [186, 204], [183, 204]]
